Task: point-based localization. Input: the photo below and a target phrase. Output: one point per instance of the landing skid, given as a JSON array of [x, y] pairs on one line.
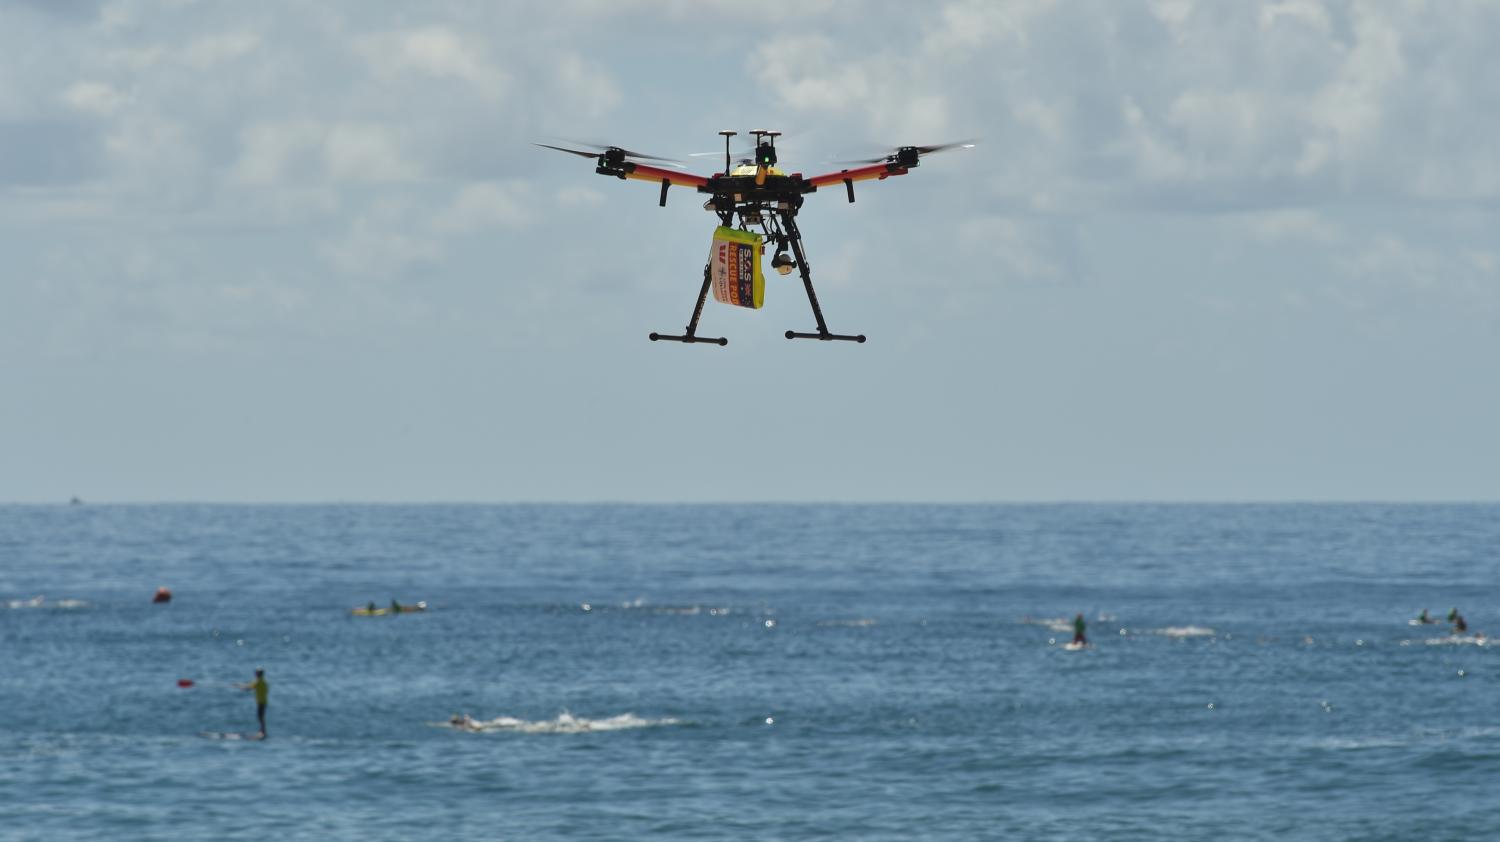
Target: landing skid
[[690, 336], [688, 339], [794, 238], [825, 336]]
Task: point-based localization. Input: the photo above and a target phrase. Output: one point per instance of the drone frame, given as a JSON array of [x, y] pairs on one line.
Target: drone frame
[[767, 198]]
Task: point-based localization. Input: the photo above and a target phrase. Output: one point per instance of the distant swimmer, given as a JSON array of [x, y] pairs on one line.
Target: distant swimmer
[[1424, 619], [1079, 638], [163, 594], [1457, 619], [262, 690]]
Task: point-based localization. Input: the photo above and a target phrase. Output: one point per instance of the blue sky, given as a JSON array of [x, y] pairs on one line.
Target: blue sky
[[1204, 251]]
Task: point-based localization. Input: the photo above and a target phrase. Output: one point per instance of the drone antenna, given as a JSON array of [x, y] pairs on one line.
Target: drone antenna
[[727, 135]]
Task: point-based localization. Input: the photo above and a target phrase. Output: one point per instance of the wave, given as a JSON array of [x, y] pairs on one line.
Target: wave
[[41, 602], [640, 604], [1459, 640], [862, 623], [565, 723], [1057, 624], [1184, 631]]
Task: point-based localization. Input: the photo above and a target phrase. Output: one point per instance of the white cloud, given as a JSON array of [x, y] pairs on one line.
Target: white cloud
[[96, 98], [485, 205], [435, 51], [293, 152], [1011, 250], [1292, 225], [365, 152], [381, 245], [585, 84], [579, 197], [215, 49]]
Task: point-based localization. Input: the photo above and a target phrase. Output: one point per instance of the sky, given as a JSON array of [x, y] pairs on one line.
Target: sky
[[1202, 251]]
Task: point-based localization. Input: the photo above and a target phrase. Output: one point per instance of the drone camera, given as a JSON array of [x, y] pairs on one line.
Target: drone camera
[[765, 155], [906, 156], [782, 263]]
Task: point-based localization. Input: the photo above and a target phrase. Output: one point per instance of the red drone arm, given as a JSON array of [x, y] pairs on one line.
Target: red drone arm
[[645, 172], [884, 169]]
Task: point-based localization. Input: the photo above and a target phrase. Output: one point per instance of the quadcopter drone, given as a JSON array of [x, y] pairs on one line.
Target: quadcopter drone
[[761, 196]]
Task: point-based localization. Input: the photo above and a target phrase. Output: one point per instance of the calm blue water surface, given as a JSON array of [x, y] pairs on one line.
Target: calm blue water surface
[[751, 672]]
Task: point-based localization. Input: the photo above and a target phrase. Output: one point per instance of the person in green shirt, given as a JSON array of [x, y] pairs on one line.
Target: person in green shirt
[[1078, 626], [1457, 619], [262, 690]]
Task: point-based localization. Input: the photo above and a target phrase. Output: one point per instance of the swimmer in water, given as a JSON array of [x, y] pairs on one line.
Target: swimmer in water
[[1079, 625], [464, 722], [1424, 619]]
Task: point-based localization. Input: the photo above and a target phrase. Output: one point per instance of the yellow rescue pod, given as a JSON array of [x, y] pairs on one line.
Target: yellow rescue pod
[[734, 266]]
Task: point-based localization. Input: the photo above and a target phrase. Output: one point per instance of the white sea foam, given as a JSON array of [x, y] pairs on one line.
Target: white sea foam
[[565, 723], [1184, 631], [41, 602], [1057, 624], [861, 623], [1459, 640]]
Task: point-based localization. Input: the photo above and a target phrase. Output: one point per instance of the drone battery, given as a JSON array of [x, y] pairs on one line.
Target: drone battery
[[735, 263]]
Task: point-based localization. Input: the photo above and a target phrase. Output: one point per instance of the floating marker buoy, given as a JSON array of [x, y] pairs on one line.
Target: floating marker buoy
[[184, 683], [162, 595]]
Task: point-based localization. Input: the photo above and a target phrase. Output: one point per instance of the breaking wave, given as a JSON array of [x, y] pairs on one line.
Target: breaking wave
[[565, 723]]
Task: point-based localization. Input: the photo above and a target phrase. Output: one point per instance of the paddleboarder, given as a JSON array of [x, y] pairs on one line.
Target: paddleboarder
[[262, 690]]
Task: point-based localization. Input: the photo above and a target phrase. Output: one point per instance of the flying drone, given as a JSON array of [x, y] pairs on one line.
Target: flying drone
[[760, 196]]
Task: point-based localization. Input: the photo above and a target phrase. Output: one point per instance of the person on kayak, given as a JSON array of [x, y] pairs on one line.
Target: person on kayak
[[262, 690]]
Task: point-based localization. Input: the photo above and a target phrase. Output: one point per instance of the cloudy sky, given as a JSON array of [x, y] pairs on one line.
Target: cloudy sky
[[1204, 251]]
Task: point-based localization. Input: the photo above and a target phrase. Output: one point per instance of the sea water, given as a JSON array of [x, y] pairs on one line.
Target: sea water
[[750, 672]]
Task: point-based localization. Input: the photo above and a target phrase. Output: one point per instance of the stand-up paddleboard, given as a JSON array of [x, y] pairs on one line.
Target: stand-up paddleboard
[[231, 735]]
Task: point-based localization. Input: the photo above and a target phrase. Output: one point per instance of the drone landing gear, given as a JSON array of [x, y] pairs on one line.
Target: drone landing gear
[[826, 337], [691, 337], [794, 237]]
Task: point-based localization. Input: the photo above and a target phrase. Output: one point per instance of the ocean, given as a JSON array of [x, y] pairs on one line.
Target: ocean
[[662, 672]]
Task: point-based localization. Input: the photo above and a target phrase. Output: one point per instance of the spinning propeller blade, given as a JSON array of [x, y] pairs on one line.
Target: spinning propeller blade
[[569, 151], [921, 150], [605, 149], [629, 153]]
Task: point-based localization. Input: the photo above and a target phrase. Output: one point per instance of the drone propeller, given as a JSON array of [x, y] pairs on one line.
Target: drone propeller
[[605, 147], [895, 152], [610, 150], [569, 151]]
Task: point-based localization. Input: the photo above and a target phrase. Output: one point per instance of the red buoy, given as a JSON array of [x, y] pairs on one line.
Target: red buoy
[[184, 682], [162, 595]]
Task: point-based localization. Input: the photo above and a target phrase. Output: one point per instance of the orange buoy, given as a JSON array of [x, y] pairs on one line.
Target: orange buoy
[[184, 682], [162, 595]]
